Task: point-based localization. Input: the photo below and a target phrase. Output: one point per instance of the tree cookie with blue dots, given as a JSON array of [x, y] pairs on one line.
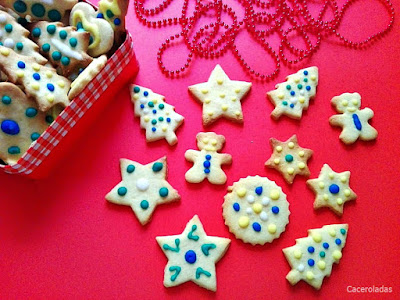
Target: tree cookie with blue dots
[[21, 122], [312, 258], [256, 210], [293, 96], [289, 158], [207, 161], [42, 83], [192, 256], [114, 12], [47, 10], [15, 37], [157, 117], [64, 46], [143, 187], [84, 18], [332, 189], [353, 120]]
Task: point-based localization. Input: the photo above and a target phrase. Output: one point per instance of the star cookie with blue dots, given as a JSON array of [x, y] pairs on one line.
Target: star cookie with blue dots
[[192, 256], [143, 187], [331, 189]]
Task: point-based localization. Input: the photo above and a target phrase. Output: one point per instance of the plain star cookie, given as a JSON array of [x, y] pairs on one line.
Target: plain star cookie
[[192, 256], [207, 161], [220, 96], [332, 189], [256, 210], [293, 96], [289, 158], [157, 117], [312, 257], [143, 187], [353, 120]]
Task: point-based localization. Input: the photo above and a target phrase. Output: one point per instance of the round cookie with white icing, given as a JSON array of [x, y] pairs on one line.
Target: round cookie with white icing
[[256, 210]]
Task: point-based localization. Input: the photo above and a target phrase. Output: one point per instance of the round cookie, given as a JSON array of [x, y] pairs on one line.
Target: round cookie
[[256, 210]]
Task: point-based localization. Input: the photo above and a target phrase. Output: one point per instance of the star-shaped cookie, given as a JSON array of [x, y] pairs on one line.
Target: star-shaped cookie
[[143, 187], [220, 96], [289, 158], [332, 189], [192, 256]]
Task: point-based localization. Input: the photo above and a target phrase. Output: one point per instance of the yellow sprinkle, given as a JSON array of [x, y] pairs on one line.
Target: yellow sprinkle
[[331, 175], [321, 265], [257, 208], [302, 165], [20, 74], [339, 201], [337, 254], [343, 179], [345, 102], [61, 84], [316, 237], [205, 140], [210, 113], [332, 232], [302, 99], [36, 67], [146, 118], [220, 81], [204, 91], [326, 197], [279, 148], [277, 161], [321, 185], [244, 221], [164, 128], [234, 99], [50, 74], [207, 100], [241, 192], [297, 253], [275, 194], [5, 51], [313, 77], [224, 107], [297, 80], [310, 275], [290, 171], [291, 145], [237, 91], [347, 192], [301, 153], [281, 96], [214, 142], [272, 228], [35, 86], [222, 95], [237, 113], [136, 96], [50, 98], [155, 101]]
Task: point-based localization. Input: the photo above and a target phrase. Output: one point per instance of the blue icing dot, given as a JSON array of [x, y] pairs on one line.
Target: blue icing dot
[[338, 241], [31, 112], [122, 191], [291, 105], [206, 171], [6, 100], [308, 87], [117, 22], [284, 103], [154, 111], [311, 262], [236, 206], [208, 156], [100, 16], [311, 249], [145, 93], [153, 129], [168, 120], [136, 89], [334, 188], [190, 256], [50, 87], [305, 72], [10, 127], [322, 254], [206, 164], [36, 76], [256, 227], [259, 190], [325, 245], [14, 150], [21, 65], [275, 209], [130, 169], [292, 93], [343, 231], [141, 106], [79, 25], [35, 136]]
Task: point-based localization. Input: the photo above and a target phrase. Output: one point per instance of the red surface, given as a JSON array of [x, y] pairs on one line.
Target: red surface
[[61, 239]]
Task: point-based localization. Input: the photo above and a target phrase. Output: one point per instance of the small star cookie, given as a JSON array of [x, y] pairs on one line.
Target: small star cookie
[[143, 187], [332, 189], [353, 120], [289, 158], [220, 96], [192, 256]]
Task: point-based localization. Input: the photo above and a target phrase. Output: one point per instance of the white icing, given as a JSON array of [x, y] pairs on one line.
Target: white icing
[[50, 2], [265, 201], [300, 267], [250, 198], [142, 184], [302, 92], [3, 19], [65, 50], [143, 100], [264, 216], [9, 43], [1, 33], [145, 110], [249, 210]]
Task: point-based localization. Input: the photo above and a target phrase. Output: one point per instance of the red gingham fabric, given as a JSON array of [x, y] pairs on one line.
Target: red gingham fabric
[[42, 147]]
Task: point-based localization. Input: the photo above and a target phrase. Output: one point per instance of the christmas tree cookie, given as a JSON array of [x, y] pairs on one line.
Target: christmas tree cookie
[[192, 256], [156, 116], [312, 257], [293, 96]]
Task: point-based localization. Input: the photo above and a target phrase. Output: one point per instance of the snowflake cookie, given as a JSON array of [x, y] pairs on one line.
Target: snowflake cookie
[[332, 189], [156, 116], [293, 95], [192, 256], [256, 210], [312, 257], [289, 158], [220, 96], [353, 120], [143, 187]]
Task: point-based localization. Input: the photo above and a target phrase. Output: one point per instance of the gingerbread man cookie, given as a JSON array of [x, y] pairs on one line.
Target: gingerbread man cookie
[[220, 96], [114, 12], [353, 120], [289, 158], [207, 161]]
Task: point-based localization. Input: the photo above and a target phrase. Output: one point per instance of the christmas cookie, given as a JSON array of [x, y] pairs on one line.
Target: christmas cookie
[[48, 10], [331, 189], [158, 118], [143, 187], [220, 96], [14, 36], [312, 257], [192, 256], [289, 158], [353, 120], [114, 12], [84, 18], [39, 82], [293, 96], [256, 210], [207, 161], [63, 46], [21, 122]]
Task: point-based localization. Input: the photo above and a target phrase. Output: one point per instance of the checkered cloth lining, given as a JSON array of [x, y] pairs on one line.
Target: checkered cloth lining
[[42, 147]]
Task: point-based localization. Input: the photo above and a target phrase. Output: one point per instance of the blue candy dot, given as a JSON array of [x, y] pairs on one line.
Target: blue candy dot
[[322, 254], [292, 93], [122, 191], [63, 34], [100, 16], [20, 6], [8, 28], [51, 29], [50, 87], [10, 127], [117, 22], [31, 112], [73, 42], [6, 100], [46, 47], [36, 76], [144, 204], [168, 120], [275, 209], [54, 15], [190, 257], [236, 206], [35, 136], [145, 93], [141, 106], [14, 150], [308, 87], [154, 111], [19, 46], [311, 249], [79, 25], [21, 65], [334, 188], [284, 103], [206, 171], [150, 104], [36, 32], [259, 190], [153, 129], [256, 227], [130, 169], [325, 245], [311, 262], [291, 105], [136, 89], [208, 156], [289, 158], [343, 231], [305, 73], [206, 164], [338, 241]]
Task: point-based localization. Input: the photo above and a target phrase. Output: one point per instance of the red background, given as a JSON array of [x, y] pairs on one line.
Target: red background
[[60, 238]]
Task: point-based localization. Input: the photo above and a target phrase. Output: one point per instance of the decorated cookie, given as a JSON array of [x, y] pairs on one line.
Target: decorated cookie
[[207, 161], [21, 122], [86, 76], [63, 46], [256, 210], [14, 36], [192, 256], [353, 120], [114, 12], [143, 187], [312, 257], [84, 18], [158, 118], [331, 189], [289, 158], [48, 10], [293, 96], [220, 96], [39, 82]]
